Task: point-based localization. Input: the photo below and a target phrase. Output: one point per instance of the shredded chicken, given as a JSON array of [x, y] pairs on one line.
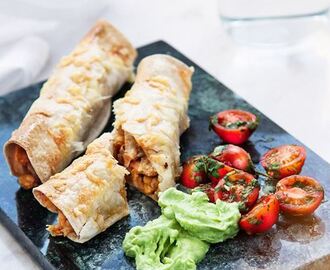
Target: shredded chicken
[[63, 228], [27, 178], [142, 174], [129, 150], [143, 166]]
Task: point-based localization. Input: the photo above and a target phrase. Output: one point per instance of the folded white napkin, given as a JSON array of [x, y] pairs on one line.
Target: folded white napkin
[[22, 53], [30, 27], [22, 62]]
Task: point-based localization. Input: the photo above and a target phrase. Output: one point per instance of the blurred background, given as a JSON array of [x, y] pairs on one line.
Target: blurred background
[[273, 53]]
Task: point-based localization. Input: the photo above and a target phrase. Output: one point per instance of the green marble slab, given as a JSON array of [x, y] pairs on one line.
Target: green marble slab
[[293, 243]]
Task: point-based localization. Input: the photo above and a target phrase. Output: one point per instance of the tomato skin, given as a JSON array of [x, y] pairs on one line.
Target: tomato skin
[[262, 217], [208, 189], [234, 126], [284, 160], [234, 156], [194, 171], [238, 186], [299, 195], [216, 170], [210, 194]]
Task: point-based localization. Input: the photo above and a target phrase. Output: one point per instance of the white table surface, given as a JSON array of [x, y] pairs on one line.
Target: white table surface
[[289, 84]]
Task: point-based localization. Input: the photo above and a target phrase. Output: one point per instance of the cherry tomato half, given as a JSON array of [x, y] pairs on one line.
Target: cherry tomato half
[[284, 160], [299, 195], [238, 186], [262, 216], [234, 126], [216, 170], [208, 189], [194, 171], [234, 156]]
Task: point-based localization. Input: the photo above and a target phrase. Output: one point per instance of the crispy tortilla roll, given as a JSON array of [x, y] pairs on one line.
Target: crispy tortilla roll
[[89, 195], [73, 107], [149, 121]]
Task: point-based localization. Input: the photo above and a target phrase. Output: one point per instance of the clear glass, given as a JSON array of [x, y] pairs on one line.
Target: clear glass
[[272, 22]]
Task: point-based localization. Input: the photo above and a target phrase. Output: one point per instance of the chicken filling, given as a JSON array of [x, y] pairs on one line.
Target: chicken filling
[[27, 177], [63, 227], [142, 175]]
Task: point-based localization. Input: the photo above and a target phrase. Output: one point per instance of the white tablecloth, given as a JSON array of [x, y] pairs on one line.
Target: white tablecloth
[[289, 84]]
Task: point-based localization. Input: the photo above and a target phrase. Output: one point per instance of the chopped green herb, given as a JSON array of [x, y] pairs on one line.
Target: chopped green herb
[[227, 188], [236, 124], [250, 168], [217, 189], [200, 165], [299, 184], [274, 166], [253, 125], [218, 150], [202, 188], [213, 121], [242, 207], [254, 183], [254, 221], [213, 166]]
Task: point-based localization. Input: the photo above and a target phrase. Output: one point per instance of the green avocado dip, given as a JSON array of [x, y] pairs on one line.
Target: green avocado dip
[[210, 222], [163, 244], [180, 237]]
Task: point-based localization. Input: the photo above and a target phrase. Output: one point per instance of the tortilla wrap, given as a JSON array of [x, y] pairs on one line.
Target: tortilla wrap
[[149, 121], [89, 195], [73, 107]]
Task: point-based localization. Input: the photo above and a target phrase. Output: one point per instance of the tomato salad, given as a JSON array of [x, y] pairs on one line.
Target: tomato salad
[[228, 174], [234, 126]]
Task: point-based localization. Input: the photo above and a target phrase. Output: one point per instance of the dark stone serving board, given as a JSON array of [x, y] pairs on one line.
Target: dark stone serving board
[[292, 243]]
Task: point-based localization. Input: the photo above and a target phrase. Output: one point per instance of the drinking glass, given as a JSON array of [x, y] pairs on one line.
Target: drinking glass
[[272, 22]]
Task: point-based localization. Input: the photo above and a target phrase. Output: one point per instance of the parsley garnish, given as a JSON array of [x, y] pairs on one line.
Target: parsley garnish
[[213, 121], [253, 125], [254, 221], [213, 166], [200, 165], [218, 150], [274, 166], [299, 184], [236, 124]]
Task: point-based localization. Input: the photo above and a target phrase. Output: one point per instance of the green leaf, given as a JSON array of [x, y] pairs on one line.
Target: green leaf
[[254, 221], [299, 184], [213, 166], [274, 166], [252, 125], [218, 150], [213, 121]]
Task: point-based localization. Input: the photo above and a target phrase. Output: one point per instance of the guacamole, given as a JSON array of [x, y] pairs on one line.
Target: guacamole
[[210, 222], [163, 244], [180, 237]]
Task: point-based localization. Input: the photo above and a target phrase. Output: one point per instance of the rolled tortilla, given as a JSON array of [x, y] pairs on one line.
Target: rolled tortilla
[[149, 121], [89, 195], [73, 107]]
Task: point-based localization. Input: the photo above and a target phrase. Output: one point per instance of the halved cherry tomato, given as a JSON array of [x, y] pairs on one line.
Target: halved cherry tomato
[[216, 170], [194, 171], [299, 195], [233, 156], [284, 160], [208, 189], [234, 126], [262, 216], [238, 186]]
